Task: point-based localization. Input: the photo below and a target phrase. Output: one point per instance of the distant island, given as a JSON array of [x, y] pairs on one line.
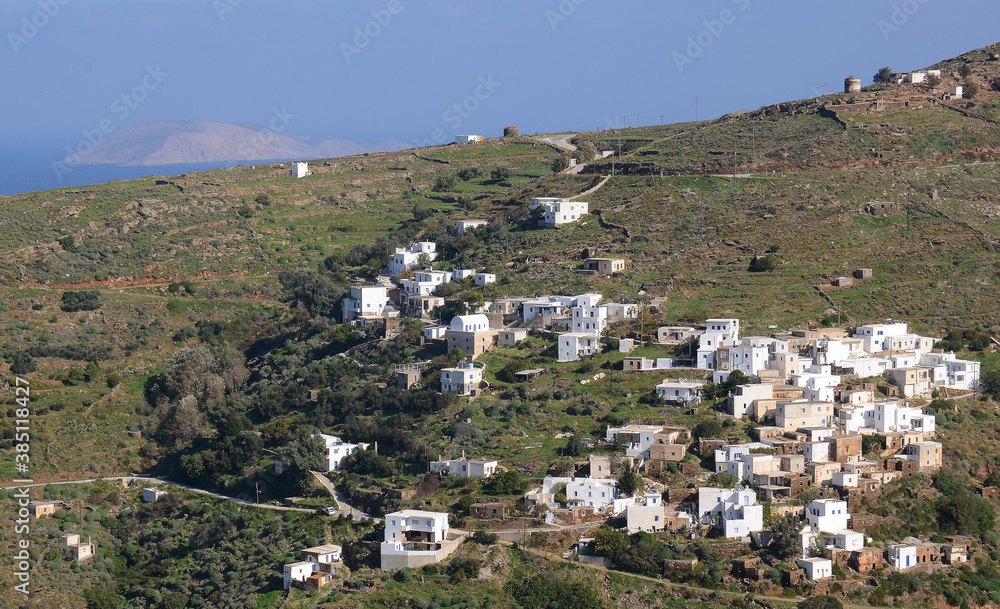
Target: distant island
[[202, 141]]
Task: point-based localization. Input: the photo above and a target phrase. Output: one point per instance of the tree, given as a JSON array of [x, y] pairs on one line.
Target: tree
[[995, 84], [501, 173], [629, 481], [557, 589], [933, 80], [965, 70], [884, 75], [821, 602], [316, 292], [80, 301], [305, 453], [575, 446], [707, 429], [559, 164], [506, 483], [22, 363], [785, 536], [444, 183], [762, 264], [970, 90], [872, 443]]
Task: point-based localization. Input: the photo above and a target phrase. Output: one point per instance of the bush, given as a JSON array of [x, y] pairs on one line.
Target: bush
[[80, 301], [762, 264], [484, 538]]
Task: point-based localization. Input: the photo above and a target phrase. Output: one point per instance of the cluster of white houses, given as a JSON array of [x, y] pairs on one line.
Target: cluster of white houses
[[808, 358]]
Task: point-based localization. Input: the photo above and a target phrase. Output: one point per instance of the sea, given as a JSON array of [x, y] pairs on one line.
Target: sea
[[28, 170]]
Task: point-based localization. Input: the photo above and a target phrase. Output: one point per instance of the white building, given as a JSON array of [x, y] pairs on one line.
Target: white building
[[318, 563], [960, 373], [424, 282], [409, 257], [734, 510], [463, 273], [845, 479], [816, 568], [483, 279], [744, 396], [903, 556], [463, 225], [635, 438], [873, 336], [468, 139], [561, 211], [300, 170], [718, 333], [574, 345], [828, 515], [463, 380], [748, 359], [648, 517], [152, 495], [680, 391], [337, 449], [415, 538], [590, 320], [817, 384], [598, 493], [471, 468], [366, 302]]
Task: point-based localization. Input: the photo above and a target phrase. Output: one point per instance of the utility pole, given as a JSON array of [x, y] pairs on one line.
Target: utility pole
[[661, 119], [696, 108], [256, 486]]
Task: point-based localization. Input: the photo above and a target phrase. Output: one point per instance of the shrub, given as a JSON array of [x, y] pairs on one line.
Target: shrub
[[762, 264], [80, 301]]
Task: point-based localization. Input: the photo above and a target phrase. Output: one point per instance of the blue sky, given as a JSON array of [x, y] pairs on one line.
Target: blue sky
[[69, 66]]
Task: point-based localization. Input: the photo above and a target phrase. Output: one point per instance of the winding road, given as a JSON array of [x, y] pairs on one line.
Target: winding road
[[265, 506]]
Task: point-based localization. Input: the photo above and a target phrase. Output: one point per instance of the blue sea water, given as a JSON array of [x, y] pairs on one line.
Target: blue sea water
[[24, 170]]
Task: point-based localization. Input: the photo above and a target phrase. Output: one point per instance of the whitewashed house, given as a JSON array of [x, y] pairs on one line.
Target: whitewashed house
[[300, 169], [463, 380], [365, 303], [463, 225], [468, 139], [414, 538], [828, 515], [484, 279], [560, 211], [816, 568], [337, 449], [680, 391], [574, 345], [735, 510], [409, 257], [470, 468]]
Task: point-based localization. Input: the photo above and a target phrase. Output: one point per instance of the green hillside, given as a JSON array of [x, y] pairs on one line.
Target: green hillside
[[210, 345]]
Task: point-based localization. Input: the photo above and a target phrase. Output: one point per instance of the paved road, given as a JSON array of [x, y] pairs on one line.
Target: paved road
[[561, 141], [265, 506], [343, 508]]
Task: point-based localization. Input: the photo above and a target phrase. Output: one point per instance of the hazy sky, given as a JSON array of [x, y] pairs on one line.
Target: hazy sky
[[469, 66]]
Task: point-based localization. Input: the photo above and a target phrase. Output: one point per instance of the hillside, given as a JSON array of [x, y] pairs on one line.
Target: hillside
[[211, 345], [200, 141]]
